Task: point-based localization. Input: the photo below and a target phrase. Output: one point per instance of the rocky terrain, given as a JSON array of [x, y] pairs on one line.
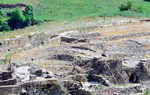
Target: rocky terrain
[[97, 59]]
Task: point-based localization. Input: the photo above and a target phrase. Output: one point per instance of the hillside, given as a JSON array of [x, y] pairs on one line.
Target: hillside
[[95, 58], [74, 9], [74, 47]]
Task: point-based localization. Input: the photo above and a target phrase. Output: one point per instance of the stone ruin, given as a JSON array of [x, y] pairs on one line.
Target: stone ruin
[[27, 80]]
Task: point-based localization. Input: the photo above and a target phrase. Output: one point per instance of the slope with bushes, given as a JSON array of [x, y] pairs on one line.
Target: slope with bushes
[[56, 10], [72, 9], [17, 19]]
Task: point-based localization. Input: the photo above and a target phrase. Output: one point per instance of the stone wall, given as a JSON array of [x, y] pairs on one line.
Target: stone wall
[[22, 43], [34, 88]]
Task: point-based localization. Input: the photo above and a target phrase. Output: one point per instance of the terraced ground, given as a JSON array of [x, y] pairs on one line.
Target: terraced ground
[[66, 51], [138, 31], [72, 51], [98, 55]]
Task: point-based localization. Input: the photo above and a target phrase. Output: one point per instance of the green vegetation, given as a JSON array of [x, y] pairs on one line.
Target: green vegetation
[[57, 10], [4, 26], [147, 0], [12, 1], [130, 7], [147, 92], [28, 13], [74, 9], [126, 7], [99, 87], [16, 20], [8, 58]]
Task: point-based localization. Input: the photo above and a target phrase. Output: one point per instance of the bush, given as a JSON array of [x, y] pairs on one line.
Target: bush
[[28, 13], [17, 20], [4, 26], [126, 7], [147, 0]]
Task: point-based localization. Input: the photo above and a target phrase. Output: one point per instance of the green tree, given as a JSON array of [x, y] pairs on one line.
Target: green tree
[[4, 26], [16, 20], [29, 15]]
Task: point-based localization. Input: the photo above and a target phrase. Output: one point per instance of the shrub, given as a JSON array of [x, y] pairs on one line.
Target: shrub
[[4, 26], [8, 58], [147, 0], [16, 20], [126, 7], [28, 13]]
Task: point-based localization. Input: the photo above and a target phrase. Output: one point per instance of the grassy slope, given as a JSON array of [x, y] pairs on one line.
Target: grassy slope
[[72, 9]]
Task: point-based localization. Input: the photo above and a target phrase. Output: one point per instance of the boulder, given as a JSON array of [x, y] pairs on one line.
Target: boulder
[[37, 72], [72, 39], [6, 75], [23, 92], [98, 78]]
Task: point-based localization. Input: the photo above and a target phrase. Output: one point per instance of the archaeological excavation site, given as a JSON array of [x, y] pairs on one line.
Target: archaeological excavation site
[[74, 47], [96, 58]]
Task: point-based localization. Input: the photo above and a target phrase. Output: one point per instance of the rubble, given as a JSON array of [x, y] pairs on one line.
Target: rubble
[[25, 80]]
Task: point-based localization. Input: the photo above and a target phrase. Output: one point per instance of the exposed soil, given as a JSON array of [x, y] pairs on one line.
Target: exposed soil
[[108, 54]]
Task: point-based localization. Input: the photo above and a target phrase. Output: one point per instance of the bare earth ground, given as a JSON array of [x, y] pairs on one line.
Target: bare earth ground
[[92, 26], [115, 38], [95, 27]]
